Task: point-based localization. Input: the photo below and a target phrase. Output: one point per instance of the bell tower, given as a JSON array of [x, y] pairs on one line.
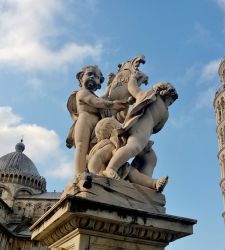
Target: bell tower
[[219, 106]]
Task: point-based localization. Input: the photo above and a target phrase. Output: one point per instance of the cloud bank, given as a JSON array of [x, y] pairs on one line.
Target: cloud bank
[[27, 31], [221, 4], [42, 144], [209, 77], [210, 70]]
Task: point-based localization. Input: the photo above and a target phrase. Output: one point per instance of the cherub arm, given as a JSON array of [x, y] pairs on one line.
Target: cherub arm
[[101, 103], [133, 86]]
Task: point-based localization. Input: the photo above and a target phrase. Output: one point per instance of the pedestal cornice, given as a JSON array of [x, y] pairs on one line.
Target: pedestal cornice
[[75, 215]]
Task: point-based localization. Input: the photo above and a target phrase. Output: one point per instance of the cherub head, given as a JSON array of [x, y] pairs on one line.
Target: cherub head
[[167, 92], [90, 77], [105, 127]]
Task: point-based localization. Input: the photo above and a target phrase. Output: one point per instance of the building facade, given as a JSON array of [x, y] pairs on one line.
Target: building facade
[[219, 106], [23, 200]]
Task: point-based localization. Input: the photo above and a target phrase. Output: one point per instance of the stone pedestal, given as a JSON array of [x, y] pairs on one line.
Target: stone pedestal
[[112, 215]]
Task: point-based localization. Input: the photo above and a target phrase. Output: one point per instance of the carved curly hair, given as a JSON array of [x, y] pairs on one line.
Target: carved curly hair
[[165, 89], [80, 74], [105, 127]]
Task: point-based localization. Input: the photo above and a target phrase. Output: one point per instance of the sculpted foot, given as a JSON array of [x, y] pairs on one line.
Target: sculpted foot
[[161, 183], [110, 173]]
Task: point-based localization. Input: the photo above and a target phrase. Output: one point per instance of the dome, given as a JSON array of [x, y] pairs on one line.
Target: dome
[[18, 162], [17, 167]]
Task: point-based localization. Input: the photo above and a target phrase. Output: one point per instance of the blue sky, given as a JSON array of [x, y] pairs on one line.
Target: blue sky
[[44, 43]]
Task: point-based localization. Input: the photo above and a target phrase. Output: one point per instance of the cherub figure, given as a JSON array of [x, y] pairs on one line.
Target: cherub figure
[[148, 115], [106, 147], [84, 107]]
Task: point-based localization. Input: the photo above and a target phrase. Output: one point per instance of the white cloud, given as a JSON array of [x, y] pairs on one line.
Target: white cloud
[[27, 29], [189, 75], [210, 71], [34, 83], [205, 98], [64, 169], [42, 144], [180, 121], [7, 117], [221, 3]]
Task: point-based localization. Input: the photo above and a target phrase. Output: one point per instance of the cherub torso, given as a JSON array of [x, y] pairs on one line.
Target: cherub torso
[[82, 106]]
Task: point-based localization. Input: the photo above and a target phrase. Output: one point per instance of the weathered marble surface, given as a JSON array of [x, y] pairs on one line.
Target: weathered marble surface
[[110, 215], [138, 114], [119, 193]]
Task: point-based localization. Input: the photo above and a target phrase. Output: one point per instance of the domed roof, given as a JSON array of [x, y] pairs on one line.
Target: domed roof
[[18, 163]]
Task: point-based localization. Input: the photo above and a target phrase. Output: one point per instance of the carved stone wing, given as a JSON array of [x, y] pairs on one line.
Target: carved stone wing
[[72, 106]]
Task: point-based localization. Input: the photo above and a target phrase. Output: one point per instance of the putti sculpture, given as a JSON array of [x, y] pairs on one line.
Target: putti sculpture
[[110, 130], [113, 202]]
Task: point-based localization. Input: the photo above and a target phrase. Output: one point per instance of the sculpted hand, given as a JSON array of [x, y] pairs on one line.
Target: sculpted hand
[[120, 105]]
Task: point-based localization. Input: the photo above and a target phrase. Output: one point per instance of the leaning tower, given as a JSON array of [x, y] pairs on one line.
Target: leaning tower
[[219, 106]]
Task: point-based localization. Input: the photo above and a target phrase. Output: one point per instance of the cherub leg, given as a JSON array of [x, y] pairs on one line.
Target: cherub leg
[[82, 140], [136, 177], [145, 162], [95, 165], [122, 155], [100, 159]]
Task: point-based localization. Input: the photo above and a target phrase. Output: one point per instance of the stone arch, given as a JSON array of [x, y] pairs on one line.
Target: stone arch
[[2, 177], [221, 137], [24, 180], [11, 177], [223, 107], [23, 191], [6, 177], [219, 112], [32, 182], [28, 181], [223, 75], [222, 163], [20, 179]]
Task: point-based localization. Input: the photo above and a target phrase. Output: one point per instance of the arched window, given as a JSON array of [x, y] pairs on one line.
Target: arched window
[[223, 166], [223, 107], [23, 192], [221, 136], [223, 76], [219, 112]]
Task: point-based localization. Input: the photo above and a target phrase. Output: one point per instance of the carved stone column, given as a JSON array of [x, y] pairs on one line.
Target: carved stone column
[[219, 106], [112, 215]]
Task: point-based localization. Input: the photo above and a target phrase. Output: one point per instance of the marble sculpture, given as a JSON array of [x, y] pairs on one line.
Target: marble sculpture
[[110, 130]]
